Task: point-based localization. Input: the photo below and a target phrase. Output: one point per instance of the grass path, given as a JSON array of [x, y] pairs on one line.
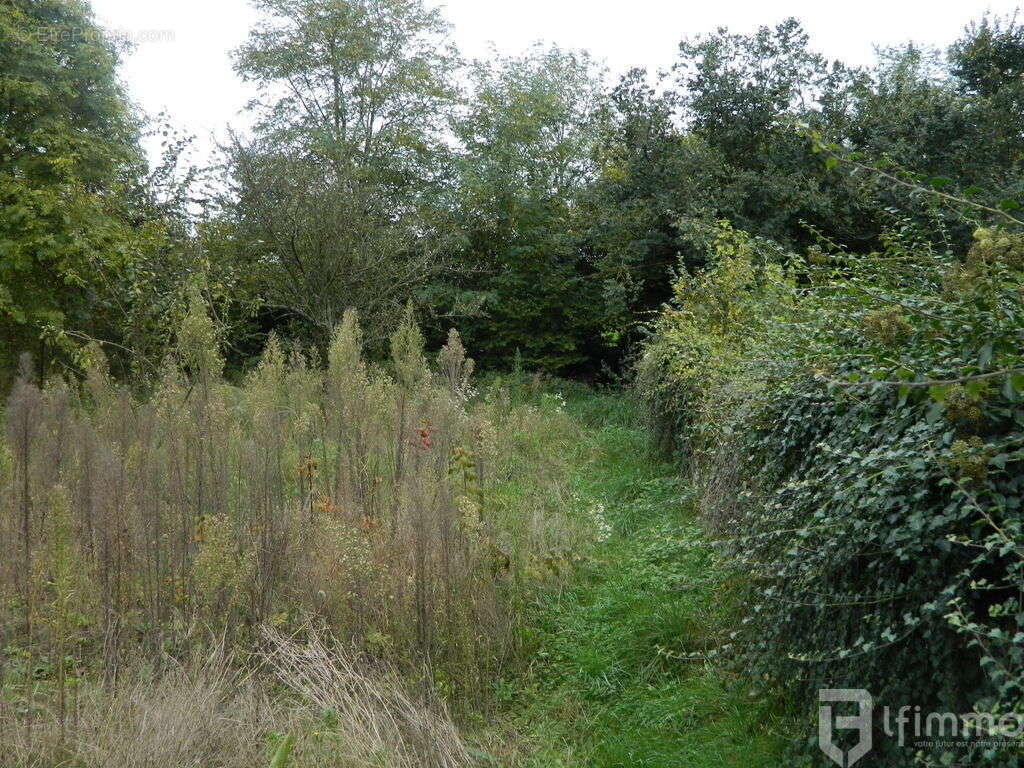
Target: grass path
[[615, 682]]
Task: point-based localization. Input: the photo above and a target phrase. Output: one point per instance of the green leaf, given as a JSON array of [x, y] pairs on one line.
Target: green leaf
[[1009, 204], [283, 753], [1008, 390], [976, 387], [985, 355], [904, 393], [934, 413]]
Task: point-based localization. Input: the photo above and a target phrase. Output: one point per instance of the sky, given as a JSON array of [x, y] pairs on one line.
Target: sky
[[181, 61]]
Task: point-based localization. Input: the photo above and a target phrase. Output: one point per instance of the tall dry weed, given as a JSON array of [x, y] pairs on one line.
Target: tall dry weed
[[352, 496]]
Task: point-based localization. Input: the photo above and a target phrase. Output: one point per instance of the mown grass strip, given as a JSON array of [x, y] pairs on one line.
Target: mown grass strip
[[622, 676]]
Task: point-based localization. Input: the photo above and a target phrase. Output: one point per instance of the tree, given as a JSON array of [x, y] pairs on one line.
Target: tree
[[362, 86], [990, 57], [68, 149], [717, 143], [742, 95], [987, 64], [652, 175], [528, 138], [337, 193], [319, 250]]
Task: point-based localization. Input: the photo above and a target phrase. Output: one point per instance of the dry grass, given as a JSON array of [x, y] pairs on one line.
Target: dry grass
[[341, 713], [380, 715]]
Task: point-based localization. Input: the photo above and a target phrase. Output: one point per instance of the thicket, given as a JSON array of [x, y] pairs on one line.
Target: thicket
[[392, 506], [854, 426]]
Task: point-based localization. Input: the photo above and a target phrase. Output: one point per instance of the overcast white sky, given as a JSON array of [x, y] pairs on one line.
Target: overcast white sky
[[190, 75]]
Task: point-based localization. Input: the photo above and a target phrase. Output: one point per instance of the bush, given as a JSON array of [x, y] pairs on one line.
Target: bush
[[859, 430]]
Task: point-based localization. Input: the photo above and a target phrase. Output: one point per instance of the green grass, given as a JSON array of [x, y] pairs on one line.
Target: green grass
[[621, 674]]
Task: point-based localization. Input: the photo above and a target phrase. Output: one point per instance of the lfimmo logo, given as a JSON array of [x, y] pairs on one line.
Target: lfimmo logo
[[944, 732], [828, 723]]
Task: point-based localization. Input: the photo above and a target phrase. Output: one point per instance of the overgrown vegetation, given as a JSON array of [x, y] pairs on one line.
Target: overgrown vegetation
[[380, 507], [853, 426], [245, 520]]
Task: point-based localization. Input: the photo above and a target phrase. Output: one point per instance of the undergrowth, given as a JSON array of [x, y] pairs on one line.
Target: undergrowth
[[355, 565], [852, 424]]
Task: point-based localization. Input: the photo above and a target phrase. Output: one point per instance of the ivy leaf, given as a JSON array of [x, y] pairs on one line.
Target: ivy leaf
[[904, 393], [985, 355], [976, 387], [1009, 390], [934, 413]]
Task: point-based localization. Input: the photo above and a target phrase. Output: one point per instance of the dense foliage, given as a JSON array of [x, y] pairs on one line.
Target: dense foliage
[[528, 137], [94, 245], [518, 197], [368, 502], [854, 424], [815, 268], [67, 137], [334, 198]]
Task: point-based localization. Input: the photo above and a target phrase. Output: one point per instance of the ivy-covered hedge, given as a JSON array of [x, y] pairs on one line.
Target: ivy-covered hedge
[[855, 424]]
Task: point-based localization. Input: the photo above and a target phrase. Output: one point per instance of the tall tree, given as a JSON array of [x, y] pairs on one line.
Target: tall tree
[[987, 64], [363, 86], [742, 94], [338, 191], [68, 150], [989, 58], [529, 136], [716, 141], [651, 176]]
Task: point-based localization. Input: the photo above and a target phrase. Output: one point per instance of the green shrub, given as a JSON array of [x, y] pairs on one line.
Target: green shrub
[[716, 319], [862, 437]]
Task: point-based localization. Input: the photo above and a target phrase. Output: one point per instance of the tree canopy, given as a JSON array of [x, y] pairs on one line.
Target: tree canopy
[[525, 198], [68, 139]]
